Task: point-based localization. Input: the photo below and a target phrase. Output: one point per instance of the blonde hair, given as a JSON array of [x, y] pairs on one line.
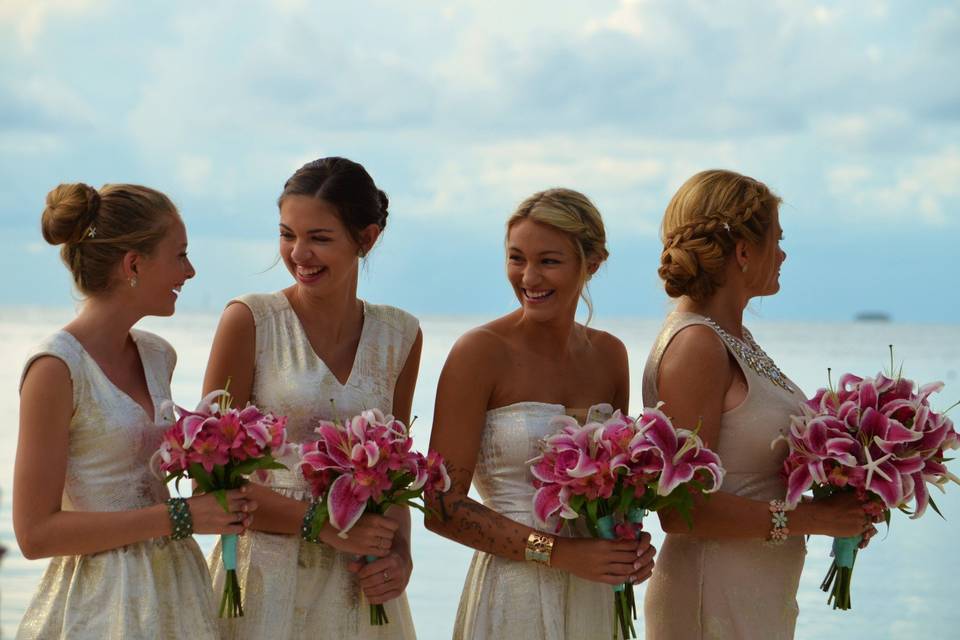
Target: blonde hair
[[573, 213], [97, 228], [706, 217]]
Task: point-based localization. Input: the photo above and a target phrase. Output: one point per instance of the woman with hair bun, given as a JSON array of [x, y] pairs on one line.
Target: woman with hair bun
[[735, 573], [124, 564], [316, 351], [501, 385]]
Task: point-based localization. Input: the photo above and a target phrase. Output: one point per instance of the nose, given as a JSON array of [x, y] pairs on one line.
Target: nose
[[300, 252], [531, 275]]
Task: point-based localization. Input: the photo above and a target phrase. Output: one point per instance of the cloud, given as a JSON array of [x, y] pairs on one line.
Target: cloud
[[29, 18]]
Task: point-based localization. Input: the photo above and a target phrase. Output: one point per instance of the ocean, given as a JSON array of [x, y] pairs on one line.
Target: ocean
[[903, 584]]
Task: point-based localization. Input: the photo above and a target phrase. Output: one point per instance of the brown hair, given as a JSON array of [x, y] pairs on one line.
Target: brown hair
[[347, 186], [573, 213], [706, 217], [97, 228]]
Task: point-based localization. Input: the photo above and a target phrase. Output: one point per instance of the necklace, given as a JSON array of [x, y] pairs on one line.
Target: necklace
[[750, 352]]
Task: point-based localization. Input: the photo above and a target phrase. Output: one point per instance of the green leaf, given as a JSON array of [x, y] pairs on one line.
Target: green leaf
[[933, 505], [221, 496], [203, 479]]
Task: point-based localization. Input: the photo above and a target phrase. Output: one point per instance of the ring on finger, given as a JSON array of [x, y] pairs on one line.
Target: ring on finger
[[386, 576]]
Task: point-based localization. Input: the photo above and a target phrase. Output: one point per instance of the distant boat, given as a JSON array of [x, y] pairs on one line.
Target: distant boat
[[872, 316]]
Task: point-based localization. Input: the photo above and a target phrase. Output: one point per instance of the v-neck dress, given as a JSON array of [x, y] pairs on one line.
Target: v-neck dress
[[158, 588], [291, 588]]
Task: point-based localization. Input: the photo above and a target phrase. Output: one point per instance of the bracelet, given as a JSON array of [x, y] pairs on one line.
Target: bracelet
[[306, 529], [181, 522], [778, 521], [539, 548]]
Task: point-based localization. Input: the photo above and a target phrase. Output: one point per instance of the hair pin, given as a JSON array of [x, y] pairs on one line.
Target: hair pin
[[92, 232]]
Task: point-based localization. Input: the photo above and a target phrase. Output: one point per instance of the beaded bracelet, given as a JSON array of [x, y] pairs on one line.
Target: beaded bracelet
[[539, 548], [778, 520], [181, 521], [306, 529]]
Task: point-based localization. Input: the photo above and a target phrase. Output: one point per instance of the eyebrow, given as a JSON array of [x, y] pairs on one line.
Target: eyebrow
[[542, 253], [319, 230]]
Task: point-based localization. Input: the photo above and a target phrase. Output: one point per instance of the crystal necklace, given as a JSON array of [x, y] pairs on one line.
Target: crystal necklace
[[750, 352]]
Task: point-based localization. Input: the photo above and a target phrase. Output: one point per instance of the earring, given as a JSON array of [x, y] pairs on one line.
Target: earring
[[743, 268], [133, 282], [362, 253]]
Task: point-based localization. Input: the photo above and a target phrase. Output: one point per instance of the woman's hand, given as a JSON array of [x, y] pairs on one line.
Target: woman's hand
[[384, 579], [372, 535], [607, 561], [840, 515], [209, 517]]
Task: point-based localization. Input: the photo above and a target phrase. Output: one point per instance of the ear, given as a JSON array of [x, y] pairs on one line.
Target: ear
[[742, 253], [592, 265], [129, 264], [368, 238]]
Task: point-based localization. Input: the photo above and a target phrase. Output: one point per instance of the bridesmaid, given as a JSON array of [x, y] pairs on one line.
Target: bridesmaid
[[500, 387], [90, 421], [735, 573], [316, 351]]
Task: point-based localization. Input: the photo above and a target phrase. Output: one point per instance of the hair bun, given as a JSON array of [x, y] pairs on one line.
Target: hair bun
[[69, 212], [384, 208]]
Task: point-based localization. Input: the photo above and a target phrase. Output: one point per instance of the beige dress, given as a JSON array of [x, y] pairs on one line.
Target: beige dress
[[154, 589], [294, 589], [730, 589], [509, 599]]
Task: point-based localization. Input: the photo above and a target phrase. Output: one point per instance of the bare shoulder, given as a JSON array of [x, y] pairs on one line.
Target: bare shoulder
[[482, 347], [607, 345], [47, 371], [237, 317], [694, 351]]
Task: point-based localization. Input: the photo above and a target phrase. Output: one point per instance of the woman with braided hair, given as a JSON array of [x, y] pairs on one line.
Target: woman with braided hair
[[123, 563], [735, 572]]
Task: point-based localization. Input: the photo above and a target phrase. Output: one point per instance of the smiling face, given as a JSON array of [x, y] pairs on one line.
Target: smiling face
[[545, 270], [162, 273], [316, 247]]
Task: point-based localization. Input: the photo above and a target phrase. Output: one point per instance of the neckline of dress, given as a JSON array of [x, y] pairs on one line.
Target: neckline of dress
[[143, 365], [303, 331]]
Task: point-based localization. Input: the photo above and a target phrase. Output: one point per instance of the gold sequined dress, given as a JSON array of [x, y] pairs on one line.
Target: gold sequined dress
[[153, 589], [731, 589], [294, 589], [508, 599]]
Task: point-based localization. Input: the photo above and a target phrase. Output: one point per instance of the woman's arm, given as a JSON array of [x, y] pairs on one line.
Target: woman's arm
[[41, 527], [695, 374], [465, 386]]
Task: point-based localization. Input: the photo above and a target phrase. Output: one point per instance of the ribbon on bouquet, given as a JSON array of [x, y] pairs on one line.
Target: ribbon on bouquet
[[606, 527]]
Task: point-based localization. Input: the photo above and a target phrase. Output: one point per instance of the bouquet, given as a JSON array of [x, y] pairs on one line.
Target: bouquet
[[217, 447], [877, 437], [613, 472], [365, 465]]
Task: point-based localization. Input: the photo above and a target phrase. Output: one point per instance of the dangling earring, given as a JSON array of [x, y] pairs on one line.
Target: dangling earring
[[744, 268], [362, 253], [133, 282]]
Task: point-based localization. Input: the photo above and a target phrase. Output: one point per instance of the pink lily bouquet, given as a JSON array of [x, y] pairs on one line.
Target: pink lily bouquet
[[612, 472], [217, 447], [877, 437], [365, 465]]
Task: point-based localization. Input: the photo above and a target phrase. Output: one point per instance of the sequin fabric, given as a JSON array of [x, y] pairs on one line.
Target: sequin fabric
[[508, 599], [294, 589], [717, 589], [154, 589]]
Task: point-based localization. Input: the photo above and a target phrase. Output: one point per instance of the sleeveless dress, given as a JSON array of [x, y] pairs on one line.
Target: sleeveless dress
[[730, 589], [159, 588], [291, 588], [508, 599]]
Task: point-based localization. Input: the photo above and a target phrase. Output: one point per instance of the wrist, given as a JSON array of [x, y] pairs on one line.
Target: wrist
[[803, 519], [539, 548]]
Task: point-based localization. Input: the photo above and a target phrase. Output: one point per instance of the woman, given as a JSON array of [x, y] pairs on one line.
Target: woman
[[500, 386], [735, 573], [123, 563], [316, 351]]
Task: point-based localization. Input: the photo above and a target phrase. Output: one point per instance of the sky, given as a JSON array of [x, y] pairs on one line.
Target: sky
[[850, 111]]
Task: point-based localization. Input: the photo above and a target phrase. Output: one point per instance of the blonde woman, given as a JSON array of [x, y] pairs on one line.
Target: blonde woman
[[124, 565], [500, 386], [735, 573]]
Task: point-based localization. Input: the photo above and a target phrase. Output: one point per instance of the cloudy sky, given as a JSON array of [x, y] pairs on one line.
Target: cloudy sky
[[459, 109]]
